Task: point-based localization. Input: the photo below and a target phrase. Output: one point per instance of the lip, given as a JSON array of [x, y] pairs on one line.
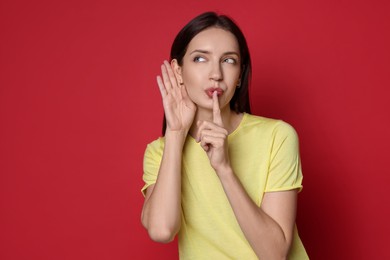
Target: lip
[[210, 91]]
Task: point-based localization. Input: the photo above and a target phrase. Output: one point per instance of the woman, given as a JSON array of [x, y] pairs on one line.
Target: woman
[[222, 179]]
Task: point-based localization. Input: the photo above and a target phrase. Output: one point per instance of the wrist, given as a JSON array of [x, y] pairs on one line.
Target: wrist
[[176, 136], [224, 171]]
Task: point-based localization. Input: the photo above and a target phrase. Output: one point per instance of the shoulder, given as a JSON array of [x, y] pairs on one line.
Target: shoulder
[[155, 147], [275, 127], [157, 142]]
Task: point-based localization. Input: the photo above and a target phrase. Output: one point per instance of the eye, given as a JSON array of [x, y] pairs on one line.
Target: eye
[[199, 59], [230, 61]]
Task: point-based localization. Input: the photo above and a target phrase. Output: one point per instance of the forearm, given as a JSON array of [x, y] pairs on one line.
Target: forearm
[[161, 214], [263, 233]]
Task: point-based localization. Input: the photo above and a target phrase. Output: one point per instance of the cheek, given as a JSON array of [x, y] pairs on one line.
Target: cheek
[[234, 75], [191, 80], [189, 84]]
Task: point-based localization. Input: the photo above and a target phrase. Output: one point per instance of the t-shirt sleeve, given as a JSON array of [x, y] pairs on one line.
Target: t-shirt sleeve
[[151, 165], [285, 171]]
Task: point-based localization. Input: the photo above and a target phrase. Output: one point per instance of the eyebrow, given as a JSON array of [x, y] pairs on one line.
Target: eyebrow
[[208, 52]]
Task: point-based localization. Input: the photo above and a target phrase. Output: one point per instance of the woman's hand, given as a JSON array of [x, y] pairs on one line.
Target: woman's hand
[[213, 138], [178, 107]]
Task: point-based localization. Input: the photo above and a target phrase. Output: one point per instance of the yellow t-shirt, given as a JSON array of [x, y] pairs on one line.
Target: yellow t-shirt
[[264, 155]]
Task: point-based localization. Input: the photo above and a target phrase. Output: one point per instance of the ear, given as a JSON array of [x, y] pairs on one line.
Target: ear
[[177, 70]]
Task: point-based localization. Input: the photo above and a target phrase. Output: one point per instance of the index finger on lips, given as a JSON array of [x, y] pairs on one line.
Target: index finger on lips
[[217, 119]]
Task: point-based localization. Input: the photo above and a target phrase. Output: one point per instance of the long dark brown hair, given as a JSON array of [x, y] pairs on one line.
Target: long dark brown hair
[[240, 100]]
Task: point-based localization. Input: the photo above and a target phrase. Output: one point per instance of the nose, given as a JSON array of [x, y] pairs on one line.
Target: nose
[[216, 72]]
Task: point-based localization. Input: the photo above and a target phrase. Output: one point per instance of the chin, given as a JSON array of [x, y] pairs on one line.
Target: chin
[[204, 105]]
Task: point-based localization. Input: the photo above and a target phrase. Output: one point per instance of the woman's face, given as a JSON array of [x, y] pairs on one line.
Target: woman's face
[[211, 63]]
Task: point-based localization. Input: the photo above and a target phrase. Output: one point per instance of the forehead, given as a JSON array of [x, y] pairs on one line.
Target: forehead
[[214, 40]]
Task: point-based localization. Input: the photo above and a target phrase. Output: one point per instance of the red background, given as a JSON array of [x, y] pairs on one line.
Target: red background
[[79, 103]]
